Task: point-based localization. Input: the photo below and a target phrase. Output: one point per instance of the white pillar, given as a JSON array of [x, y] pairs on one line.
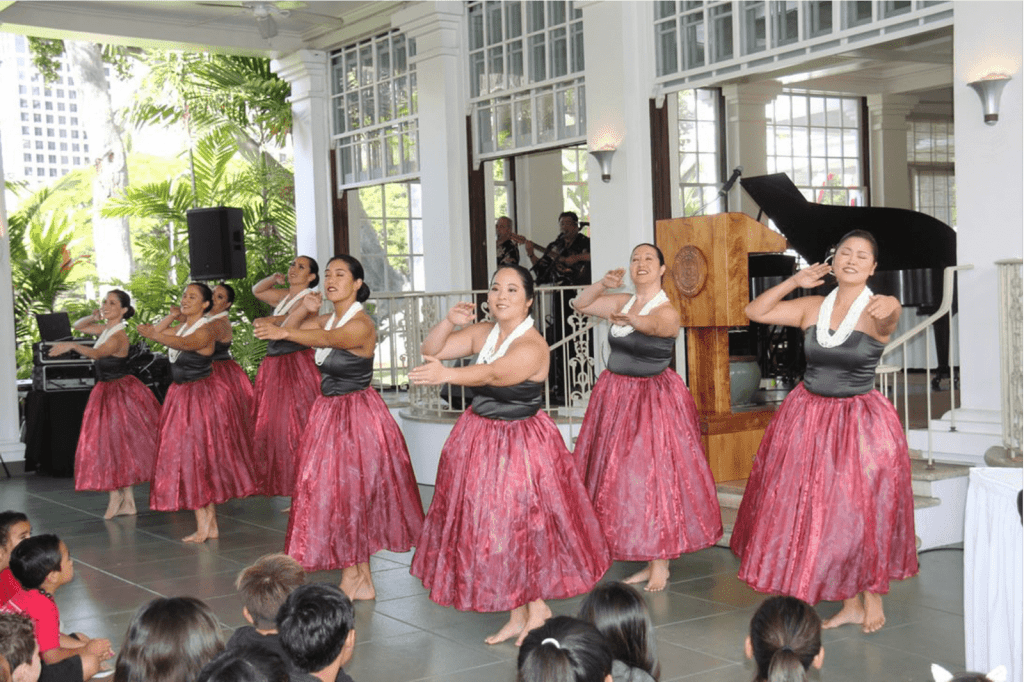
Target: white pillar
[[539, 196], [619, 56], [306, 72], [11, 447], [437, 28], [746, 128], [989, 177], [890, 179]]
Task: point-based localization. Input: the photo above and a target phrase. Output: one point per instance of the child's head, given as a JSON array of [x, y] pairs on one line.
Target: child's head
[[14, 527], [620, 614], [316, 625], [19, 646], [42, 559], [564, 649], [940, 674], [785, 639], [168, 640], [250, 663], [265, 585]]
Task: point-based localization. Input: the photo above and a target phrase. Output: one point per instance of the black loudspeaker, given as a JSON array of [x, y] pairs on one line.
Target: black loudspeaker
[[216, 244]]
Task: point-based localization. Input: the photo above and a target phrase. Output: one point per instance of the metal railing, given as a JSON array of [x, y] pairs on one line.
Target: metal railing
[[888, 374], [404, 319]]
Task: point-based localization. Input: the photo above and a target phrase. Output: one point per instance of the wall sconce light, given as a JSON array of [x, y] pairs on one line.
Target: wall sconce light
[[604, 159], [989, 89]]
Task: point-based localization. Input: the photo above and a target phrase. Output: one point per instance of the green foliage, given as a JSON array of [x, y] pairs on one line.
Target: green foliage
[[46, 54]]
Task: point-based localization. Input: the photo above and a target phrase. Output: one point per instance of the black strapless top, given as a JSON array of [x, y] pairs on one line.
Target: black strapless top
[[191, 366], [844, 371], [284, 347], [344, 372], [221, 350], [640, 355], [508, 403], [111, 368]]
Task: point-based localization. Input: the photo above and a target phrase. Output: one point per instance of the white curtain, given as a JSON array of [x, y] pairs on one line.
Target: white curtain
[[994, 572]]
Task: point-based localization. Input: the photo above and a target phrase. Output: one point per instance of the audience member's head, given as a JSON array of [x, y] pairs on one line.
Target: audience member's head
[[14, 527], [168, 640], [245, 664], [316, 625], [564, 649], [5, 670], [35, 558], [265, 585], [19, 647], [620, 613], [785, 640], [940, 674]]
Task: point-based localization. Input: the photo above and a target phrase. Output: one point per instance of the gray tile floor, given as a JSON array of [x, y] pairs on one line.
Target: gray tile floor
[[701, 619]]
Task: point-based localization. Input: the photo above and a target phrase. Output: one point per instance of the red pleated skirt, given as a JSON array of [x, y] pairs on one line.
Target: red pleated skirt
[[355, 493], [234, 378], [118, 442], [204, 453], [510, 521], [286, 387], [640, 454], [828, 511]]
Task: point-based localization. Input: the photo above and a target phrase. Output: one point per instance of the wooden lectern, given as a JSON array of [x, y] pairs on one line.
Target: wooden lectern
[[708, 283]]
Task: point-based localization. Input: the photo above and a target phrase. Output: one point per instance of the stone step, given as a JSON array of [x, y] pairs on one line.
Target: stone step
[[923, 478]]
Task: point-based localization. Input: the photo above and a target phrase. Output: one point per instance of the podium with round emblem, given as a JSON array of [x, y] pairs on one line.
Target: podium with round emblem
[[708, 283]]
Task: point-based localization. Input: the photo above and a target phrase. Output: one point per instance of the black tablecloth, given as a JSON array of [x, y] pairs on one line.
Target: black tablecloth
[[52, 423]]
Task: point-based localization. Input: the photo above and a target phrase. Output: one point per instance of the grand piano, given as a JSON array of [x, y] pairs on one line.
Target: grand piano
[[913, 250]]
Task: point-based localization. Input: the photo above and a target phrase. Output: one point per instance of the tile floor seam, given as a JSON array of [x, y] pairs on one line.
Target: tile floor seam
[[116, 577]]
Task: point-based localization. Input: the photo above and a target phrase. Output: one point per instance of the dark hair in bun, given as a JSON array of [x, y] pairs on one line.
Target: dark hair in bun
[[356, 268], [126, 302]]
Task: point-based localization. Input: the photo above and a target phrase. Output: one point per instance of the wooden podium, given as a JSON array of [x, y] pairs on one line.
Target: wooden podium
[[708, 283]]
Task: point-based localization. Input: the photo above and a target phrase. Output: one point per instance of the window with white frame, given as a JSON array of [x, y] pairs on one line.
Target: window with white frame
[[391, 236], [373, 100], [502, 188], [699, 149], [930, 156], [575, 190], [525, 75], [816, 140]]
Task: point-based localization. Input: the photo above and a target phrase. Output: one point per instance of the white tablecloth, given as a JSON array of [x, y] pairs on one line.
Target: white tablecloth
[[994, 572]]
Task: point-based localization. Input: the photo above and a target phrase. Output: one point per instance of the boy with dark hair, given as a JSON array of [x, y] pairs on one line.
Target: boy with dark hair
[[42, 565], [14, 527], [18, 646], [317, 629]]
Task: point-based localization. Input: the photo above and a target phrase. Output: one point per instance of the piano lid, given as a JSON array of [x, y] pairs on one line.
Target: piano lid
[[906, 239]]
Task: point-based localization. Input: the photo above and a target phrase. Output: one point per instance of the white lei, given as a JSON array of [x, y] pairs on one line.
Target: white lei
[[286, 303], [620, 330], [108, 333], [211, 318], [488, 354], [184, 330], [826, 339], [322, 353]]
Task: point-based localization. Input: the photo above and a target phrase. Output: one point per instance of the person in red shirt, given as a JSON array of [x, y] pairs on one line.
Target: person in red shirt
[[42, 564], [14, 527]]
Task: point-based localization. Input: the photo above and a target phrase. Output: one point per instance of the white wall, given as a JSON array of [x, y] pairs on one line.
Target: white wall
[[989, 178], [538, 197]]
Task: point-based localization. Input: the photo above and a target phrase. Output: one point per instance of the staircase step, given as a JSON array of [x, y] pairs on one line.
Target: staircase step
[[728, 522], [923, 501], [730, 493]]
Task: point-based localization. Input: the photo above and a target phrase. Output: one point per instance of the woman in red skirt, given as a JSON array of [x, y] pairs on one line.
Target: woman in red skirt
[[225, 369], [203, 456], [828, 512], [510, 524], [117, 445], [639, 449], [287, 381], [355, 492]]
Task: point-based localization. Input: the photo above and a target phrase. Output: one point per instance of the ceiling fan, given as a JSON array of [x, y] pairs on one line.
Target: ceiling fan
[[263, 14]]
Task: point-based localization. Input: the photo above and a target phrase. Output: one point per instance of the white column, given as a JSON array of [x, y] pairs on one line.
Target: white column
[[989, 177], [746, 128], [890, 179], [619, 57], [437, 28], [539, 195], [11, 448], [306, 71]]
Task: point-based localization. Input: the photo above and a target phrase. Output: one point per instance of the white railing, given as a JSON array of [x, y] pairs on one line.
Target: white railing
[[1011, 347], [889, 383], [404, 319]]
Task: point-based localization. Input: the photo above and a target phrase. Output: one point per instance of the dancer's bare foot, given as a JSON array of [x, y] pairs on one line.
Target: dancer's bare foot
[[641, 576], [202, 527], [536, 613], [655, 574], [114, 505], [214, 532], [874, 615], [851, 613], [357, 583], [515, 626], [127, 503]]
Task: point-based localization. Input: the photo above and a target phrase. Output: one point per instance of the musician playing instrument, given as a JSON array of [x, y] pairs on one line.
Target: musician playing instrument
[[566, 260]]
